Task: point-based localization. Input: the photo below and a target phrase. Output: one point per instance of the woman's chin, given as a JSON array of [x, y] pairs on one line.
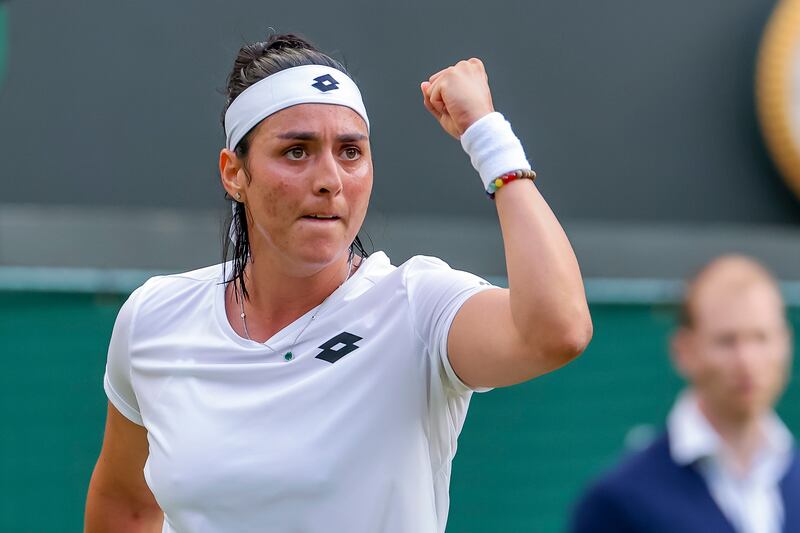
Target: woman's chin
[[316, 258]]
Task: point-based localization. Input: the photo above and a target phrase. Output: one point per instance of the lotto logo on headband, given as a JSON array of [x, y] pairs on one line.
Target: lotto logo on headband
[[325, 83]]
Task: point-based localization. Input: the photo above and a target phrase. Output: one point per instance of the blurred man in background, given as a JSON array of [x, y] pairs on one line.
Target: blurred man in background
[[726, 462]]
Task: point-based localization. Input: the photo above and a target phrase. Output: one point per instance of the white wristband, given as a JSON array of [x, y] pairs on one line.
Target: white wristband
[[493, 148]]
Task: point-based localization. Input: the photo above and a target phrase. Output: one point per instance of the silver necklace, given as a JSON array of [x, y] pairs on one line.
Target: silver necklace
[[288, 356]]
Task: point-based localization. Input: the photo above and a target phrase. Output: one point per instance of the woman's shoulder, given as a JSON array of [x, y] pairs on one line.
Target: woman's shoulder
[[380, 262], [378, 266], [419, 273], [425, 262], [181, 285], [427, 266]]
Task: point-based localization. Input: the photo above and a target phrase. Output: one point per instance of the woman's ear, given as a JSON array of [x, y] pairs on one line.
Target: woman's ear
[[230, 167]]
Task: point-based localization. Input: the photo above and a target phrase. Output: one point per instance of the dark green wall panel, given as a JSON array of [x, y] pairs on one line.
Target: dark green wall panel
[[52, 405]]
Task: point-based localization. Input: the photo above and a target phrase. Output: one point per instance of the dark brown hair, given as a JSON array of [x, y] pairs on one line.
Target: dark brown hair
[[254, 62]]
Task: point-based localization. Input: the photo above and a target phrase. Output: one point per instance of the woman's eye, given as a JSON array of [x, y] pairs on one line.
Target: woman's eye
[[295, 153], [351, 153]]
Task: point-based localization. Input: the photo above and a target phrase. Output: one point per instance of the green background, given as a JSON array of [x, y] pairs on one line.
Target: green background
[[3, 43], [524, 454]]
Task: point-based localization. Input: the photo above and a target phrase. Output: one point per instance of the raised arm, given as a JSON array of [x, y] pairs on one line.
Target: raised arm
[[119, 499], [541, 322]]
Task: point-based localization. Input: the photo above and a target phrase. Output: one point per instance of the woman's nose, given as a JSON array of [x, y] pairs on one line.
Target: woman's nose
[[327, 175]]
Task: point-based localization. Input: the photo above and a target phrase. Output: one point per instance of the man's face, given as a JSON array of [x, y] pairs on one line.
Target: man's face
[[737, 352]]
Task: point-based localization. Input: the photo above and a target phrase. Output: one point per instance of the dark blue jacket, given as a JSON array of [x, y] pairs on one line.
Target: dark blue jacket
[[650, 493]]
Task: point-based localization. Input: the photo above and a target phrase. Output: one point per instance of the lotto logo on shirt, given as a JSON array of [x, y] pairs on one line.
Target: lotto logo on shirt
[[337, 347]]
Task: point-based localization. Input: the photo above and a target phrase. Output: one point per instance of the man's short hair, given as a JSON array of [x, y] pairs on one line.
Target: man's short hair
[[742, 270]]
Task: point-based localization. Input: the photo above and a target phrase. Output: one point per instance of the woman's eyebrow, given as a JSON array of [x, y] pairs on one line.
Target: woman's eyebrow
[[311, 136], [351, 137], [298, 135]]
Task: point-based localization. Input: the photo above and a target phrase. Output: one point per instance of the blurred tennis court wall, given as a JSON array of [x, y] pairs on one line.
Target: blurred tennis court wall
[[524, 454]]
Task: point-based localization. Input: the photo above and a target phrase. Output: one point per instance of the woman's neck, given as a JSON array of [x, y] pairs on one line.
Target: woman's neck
[[276, 298]]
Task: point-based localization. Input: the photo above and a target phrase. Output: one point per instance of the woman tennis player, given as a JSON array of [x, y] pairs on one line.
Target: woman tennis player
[[304, 386]]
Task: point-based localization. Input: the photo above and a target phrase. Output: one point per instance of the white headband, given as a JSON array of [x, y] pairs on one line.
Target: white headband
[[308, 84]]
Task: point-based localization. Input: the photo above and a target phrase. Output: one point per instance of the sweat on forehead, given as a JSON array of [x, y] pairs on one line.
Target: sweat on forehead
[[726, 274]]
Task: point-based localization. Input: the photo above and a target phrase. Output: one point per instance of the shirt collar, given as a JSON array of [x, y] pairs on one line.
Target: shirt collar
[[691, 436]]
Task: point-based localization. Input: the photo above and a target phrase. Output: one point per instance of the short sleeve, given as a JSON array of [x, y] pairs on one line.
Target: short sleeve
[[436, 292], [117, 379]]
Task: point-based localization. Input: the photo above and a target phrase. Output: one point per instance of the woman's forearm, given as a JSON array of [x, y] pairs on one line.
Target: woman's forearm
[[547, 298]]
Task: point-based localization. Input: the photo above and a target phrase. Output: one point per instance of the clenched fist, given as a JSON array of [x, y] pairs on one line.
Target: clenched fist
[[458, 96]]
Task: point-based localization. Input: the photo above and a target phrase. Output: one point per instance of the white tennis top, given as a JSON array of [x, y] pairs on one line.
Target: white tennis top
[[356, 433]]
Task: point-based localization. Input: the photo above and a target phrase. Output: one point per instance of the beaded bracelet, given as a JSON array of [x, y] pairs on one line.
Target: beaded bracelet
[[508, 177]]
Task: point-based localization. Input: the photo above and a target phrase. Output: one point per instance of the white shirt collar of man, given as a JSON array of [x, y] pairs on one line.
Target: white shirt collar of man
[[692, 437], [307, 84], [752, 503]]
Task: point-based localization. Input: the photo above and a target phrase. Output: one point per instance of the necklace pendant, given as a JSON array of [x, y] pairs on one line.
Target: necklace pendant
[[288, 356]]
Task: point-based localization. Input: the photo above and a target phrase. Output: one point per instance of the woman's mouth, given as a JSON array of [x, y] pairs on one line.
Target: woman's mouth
[[321, 218]]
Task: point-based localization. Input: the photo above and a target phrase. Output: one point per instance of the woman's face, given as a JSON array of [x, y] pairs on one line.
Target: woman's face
[[310, 170]]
